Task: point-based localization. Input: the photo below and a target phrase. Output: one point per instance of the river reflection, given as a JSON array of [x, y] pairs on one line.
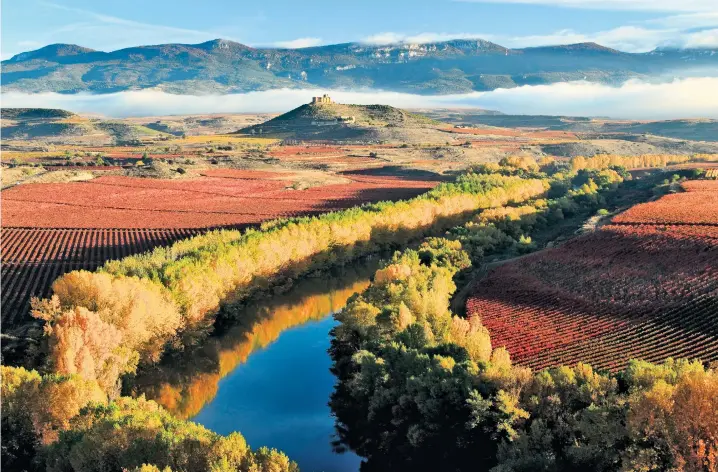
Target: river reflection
[[267, 375]]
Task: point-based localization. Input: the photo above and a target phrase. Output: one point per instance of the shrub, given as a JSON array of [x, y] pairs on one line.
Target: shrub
[[98, 324], [20, 442]]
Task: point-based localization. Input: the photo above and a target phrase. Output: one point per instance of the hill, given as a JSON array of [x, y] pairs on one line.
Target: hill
[[222, 66], [34, 113], [336, 121], [57, 126]]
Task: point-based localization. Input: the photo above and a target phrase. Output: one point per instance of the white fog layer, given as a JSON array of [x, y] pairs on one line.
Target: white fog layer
[[685, 98]]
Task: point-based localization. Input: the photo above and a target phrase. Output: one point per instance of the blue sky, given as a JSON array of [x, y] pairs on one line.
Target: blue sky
[[630, 25]]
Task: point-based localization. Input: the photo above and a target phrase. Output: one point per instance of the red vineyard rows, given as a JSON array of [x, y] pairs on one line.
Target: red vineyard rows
[[626, 291], [32, 258], [697, 205]]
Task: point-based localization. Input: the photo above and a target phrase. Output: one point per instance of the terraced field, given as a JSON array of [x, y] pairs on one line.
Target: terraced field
[[645, 286]]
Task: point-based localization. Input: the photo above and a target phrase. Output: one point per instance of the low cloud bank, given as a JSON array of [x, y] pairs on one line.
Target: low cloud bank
[[686, 98]]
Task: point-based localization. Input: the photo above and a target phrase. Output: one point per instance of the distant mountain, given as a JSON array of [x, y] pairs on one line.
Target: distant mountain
[[222, 66], [51, 52]]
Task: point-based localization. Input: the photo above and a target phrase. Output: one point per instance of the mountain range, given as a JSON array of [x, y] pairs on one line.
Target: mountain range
[[222, 66]]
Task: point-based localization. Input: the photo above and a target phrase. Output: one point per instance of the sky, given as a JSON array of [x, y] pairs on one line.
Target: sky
[[628, 25]]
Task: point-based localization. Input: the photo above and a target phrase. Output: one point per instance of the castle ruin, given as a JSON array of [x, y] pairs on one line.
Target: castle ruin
[[323, 99]]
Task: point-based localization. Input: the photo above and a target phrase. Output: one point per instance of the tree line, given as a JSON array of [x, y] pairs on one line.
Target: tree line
[[101, 325], [605, 161], [63, 423]]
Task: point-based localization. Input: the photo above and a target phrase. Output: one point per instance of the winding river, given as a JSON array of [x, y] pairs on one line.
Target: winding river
[[267, 375]]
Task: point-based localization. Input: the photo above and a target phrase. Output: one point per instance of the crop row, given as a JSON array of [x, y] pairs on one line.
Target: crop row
[[32, 258], [108, 215], [626, 291]]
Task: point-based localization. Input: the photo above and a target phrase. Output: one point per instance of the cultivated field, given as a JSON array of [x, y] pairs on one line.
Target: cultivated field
[[218, 199], [78, 191], [697, 206], [645, 286], [32, 258], [53, 228]]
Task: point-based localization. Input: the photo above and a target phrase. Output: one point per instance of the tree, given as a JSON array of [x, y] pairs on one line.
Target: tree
[[129, 434], [19, 439], [674, 422]]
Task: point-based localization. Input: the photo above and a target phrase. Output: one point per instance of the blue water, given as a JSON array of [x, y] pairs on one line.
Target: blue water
[[278, 398]]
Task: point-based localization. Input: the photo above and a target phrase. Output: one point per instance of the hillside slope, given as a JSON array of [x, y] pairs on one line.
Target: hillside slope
[[337, 121], [223, 66], [60, 126]]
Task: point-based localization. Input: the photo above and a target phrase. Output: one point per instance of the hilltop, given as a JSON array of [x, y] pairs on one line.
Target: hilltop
[[329, 120], [222, 66], [58, 126], [34, 113]]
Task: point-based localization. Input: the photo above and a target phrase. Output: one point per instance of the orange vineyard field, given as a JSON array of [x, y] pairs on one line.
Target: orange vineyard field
[[645, 286]]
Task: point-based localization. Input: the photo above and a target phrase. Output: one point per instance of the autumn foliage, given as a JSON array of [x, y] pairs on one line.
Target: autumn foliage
[[420, 388], [57, 422], [33, 258], [99, 326], [185, 395], [101, 323], [605, 161]]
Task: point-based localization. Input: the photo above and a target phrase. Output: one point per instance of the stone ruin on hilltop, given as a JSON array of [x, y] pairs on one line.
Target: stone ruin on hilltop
[[324, 99]]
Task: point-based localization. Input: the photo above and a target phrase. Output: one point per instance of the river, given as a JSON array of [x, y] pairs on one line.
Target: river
[[267, 375]]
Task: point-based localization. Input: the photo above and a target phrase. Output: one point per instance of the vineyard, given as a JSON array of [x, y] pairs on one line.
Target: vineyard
[[32, 258], [645, 286], [208, 201], [51, 229], [697, 206]]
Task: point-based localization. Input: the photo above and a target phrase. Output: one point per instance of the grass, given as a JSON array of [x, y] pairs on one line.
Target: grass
[[12, 176]]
